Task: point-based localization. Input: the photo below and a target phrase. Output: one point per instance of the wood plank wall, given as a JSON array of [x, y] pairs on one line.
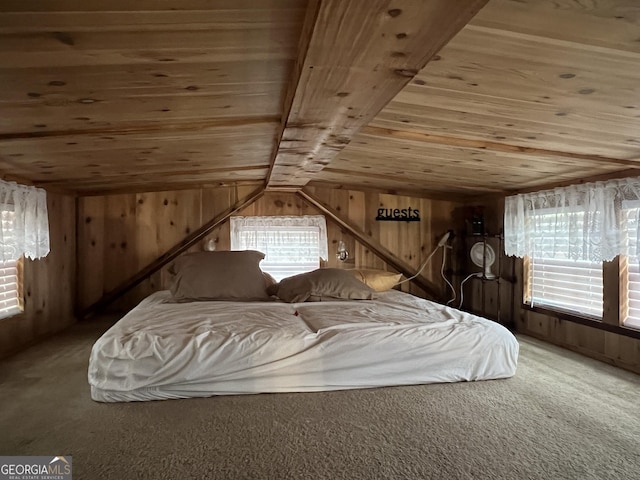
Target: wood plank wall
[[120, 234], [48, 284], [609, 347], [412, 242], [489, 298]]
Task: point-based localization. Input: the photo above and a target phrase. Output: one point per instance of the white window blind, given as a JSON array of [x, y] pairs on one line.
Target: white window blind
[[9, 286], [632, 318], [291, 245], [9, 291], [633, 313], [572, 285], [555, 279]]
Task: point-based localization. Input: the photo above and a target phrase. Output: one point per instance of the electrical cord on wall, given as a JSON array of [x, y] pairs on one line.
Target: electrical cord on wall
[[444, 260], [441, 243], [477, 274]]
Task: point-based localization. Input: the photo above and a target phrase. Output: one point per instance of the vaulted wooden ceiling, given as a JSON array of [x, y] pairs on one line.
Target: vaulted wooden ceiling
[[425, 97]]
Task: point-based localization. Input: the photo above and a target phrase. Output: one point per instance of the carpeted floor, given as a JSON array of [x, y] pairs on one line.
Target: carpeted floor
[[562, 416]]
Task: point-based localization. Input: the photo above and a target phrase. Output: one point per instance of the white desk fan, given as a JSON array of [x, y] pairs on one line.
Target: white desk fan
[[483, 256]]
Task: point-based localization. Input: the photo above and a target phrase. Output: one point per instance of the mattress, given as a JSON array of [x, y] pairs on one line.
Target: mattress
[[162, 349]]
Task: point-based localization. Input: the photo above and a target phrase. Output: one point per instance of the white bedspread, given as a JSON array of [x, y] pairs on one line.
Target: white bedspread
[[163, 350]]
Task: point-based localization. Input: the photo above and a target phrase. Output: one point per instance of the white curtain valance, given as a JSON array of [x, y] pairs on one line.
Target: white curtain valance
[[25, 223], [239, 223], [593, 221]]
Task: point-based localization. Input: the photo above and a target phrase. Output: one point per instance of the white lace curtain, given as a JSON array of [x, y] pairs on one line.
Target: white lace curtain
[[593, 221], [25, 224], [242, 224]]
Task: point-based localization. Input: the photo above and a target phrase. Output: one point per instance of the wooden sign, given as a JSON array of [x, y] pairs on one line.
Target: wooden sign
[[398, 215]]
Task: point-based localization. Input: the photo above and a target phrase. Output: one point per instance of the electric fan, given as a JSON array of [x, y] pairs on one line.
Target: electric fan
[[483, 256]]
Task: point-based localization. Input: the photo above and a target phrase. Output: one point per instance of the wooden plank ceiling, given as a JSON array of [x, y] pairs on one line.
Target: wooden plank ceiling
[[418, 97]]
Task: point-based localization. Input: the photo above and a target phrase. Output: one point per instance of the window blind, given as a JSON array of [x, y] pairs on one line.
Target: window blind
[[571, 285], [556, 279], [9, 289], [633, 295], [633, 271], [9, 286]]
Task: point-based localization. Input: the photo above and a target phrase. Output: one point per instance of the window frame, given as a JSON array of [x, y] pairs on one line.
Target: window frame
[[613, 301], [287, 270], [605, 202]]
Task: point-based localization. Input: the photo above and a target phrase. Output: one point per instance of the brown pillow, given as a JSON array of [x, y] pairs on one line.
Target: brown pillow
[[323, 284], [218, 275], [379, 280], [268, 279]]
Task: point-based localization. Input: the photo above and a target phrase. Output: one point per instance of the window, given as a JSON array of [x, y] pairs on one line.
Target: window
[[572, 285], [10, 302], [10, 298], [566, 234], [554, 278], [292, 245], [24, 231], [631, 317]]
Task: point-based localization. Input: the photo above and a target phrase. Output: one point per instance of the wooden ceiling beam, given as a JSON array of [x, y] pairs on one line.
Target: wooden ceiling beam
[[308, 25], [145, 128], [490, 146], [95, 191], [8, 177], [354, 58], [407, 192], [431, 179], [577, 181]]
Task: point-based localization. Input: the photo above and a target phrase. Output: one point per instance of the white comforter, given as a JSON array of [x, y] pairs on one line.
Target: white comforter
[[165, 350]]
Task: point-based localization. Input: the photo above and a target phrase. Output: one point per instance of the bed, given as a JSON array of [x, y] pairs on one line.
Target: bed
[[170, 348]]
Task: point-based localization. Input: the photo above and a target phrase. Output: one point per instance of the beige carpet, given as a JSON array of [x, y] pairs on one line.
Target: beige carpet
[[562, 417]]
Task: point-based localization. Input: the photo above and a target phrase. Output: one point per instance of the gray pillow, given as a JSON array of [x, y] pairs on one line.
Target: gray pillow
[[323, 284], [218, 276]]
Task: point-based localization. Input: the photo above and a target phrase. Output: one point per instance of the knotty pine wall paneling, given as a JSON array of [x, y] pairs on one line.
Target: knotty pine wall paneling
[[120, 234], [412, 242], [120, 253], [91, 249], [211, 200], [48, 283]]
